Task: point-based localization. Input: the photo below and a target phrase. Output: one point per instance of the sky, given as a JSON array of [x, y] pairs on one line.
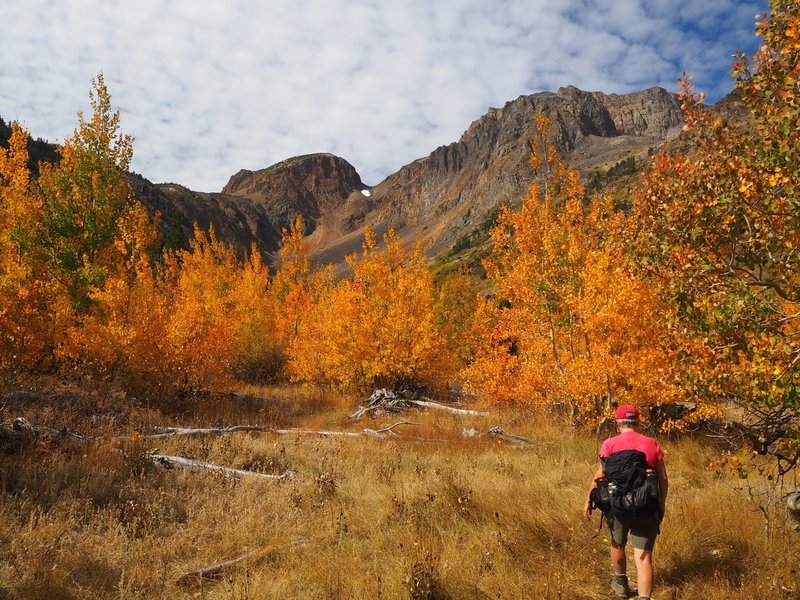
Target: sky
[[209, 88]]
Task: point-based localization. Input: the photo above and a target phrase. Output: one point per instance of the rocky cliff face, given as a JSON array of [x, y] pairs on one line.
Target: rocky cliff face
[[452, 191], [316, 186], [441, 198], [254, 206], [307, 185]]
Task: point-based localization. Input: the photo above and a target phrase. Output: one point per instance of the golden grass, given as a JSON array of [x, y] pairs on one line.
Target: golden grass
[[363, 518]]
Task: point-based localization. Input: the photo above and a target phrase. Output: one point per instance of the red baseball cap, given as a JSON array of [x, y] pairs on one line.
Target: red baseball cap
[[627, 412]]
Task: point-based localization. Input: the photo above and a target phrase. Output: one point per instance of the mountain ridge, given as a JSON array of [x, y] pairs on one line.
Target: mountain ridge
[[440, 198]]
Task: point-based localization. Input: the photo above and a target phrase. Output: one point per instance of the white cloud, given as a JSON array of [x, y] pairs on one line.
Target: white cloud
[[208, 88]]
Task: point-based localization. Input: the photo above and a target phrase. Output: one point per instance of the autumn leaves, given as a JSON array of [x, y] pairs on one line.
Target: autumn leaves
[[567, 324], [570, 324], [688, 298]]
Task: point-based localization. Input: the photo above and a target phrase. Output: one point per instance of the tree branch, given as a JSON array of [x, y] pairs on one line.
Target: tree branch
[[168, 432], [188, 463]]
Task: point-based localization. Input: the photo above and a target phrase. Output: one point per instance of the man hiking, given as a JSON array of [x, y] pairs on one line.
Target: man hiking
[[624, 489]]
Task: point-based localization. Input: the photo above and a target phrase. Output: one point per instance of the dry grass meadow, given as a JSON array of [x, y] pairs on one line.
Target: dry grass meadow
[[430, 515]]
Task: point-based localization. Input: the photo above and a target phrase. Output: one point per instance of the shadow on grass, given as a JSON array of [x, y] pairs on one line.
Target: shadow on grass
[[272, 410], [703, 562]]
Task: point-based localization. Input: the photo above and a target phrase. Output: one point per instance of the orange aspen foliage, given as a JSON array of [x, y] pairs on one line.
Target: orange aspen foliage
[[291, 286], [718, 233], [201, 283], [124, 332], [256, 348], [569, 325], [221, 321], [32, 312], [376, 328]]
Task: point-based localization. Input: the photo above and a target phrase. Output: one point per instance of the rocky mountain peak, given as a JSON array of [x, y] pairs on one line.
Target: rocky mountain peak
[[457, 187], [308, 185], [331, 178]]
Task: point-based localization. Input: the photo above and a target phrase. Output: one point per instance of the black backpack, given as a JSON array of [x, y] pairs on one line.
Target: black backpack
[[628, 487]]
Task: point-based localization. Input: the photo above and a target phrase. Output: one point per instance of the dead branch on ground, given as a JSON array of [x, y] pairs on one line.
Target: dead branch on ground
[[383, 400], [197, 465], [376, 433], [214, 570], [168, 432]]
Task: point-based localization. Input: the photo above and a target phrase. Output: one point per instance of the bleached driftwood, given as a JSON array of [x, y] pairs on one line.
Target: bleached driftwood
[[168, 432], [450, 409], [383, 400], [323, 433], [216, 569], [498, 432], [20, 432], [376, 433], [198, 465]]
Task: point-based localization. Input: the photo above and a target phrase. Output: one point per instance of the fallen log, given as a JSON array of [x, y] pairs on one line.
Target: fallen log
[[168, 432], [323, 433], [22, 396], [519, 440], [198, 465], [376, 433], [449, 409], [383, 400]]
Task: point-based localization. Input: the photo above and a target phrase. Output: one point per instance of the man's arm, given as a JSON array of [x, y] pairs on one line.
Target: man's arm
[[587, 506], [663, 486]]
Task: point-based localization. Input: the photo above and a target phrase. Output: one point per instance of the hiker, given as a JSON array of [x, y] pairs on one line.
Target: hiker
[[640, 511]]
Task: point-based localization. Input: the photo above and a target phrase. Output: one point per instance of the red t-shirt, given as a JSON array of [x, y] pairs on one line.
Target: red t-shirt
[[633, 440]]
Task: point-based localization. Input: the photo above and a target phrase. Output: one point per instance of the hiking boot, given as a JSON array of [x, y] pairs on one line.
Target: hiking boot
[[619, 585]]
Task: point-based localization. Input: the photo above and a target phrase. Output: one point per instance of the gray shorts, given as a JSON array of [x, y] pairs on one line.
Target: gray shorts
[[643, 530]]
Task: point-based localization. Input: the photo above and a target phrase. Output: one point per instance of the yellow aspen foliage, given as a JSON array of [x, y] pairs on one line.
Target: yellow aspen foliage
[[292, 283], [718, 229], [124, 332], [202, 325], [568, 325], [256, 348], [33, 314], [456, 304], [376, 328]]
